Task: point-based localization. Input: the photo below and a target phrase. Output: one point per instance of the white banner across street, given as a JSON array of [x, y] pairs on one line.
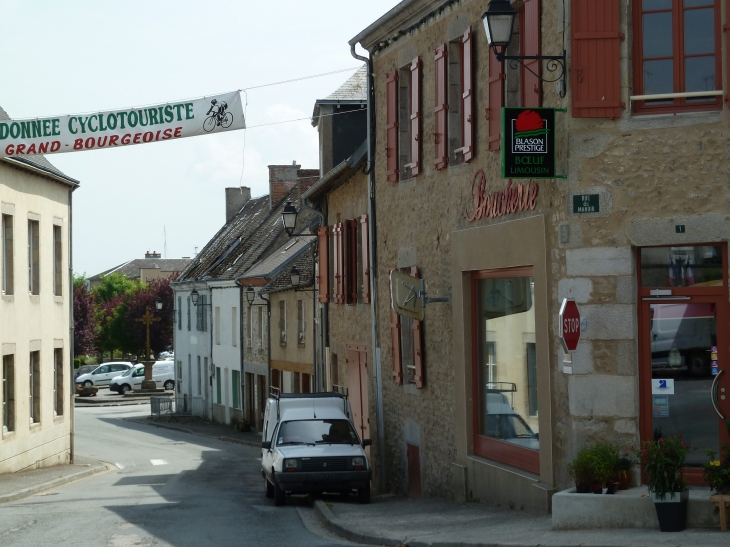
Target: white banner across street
[[117, 128]]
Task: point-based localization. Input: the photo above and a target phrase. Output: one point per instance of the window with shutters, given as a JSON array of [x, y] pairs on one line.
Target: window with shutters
[[58, 382], [301, 324], [8, 393], [460, 99], [496, 99], [595, 58], [189, 311], [407, 346], [391, 125], [323, 264], [365, 258], [441, 136], [7, 258], [349, 262], [179, 313], [530, 83], [34, 400], [34, 260], [57, 262], [282, 322], [677, 49], [199, 314], [409, 113]]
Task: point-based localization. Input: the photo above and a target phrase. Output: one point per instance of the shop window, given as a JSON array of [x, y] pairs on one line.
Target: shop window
[[57, 262], [301, 324], [409, 113], [8, 393], [282, 322], [505, 394], [690, 266], [235, 388], [7, 250], [595, 78], [407, 346], [34, 403], [34, 259], [58, 381], [677, 50], [460, 99]]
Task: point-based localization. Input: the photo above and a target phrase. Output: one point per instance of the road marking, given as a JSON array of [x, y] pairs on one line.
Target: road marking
[[119, 465], [158, 462]]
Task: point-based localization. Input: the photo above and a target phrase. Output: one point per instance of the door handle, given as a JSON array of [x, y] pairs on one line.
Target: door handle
[[713, 394]]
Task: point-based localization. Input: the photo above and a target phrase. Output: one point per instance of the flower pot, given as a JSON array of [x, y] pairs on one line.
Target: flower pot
[[624, 479], [612, 487], [672, 511], [583, 489]]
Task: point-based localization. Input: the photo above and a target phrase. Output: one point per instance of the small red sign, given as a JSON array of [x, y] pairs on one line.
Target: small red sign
[[569, 325]]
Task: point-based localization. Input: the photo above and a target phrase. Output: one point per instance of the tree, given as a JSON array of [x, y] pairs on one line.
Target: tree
[[113, 285], [160, 331], [85, 320]]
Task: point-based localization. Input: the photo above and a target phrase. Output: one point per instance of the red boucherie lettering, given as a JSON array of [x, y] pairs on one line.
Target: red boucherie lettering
[[515, 197]]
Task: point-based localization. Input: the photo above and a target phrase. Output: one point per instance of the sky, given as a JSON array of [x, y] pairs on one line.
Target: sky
[[72, 57]]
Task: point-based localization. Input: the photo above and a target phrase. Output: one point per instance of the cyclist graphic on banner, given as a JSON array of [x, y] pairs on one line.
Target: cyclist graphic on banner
[[217, 116]]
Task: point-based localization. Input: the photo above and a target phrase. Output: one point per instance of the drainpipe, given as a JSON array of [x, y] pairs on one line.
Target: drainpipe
[[378, 373], [241, 341], [71, 327]]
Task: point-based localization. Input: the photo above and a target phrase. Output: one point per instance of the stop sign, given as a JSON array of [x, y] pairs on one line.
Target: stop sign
[[569, 325]]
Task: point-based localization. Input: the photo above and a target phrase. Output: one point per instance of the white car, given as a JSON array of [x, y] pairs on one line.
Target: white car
[[103, 374], [163, 374], [309, 444]]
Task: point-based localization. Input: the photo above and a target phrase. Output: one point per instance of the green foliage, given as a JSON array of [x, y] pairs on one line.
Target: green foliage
[[625, 462], [596, 464], [663, 461], [717, 471], [112, 286]]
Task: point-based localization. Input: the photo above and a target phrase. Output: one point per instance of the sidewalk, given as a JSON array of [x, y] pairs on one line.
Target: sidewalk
[[16, 486], [442, 523], [204, 429]]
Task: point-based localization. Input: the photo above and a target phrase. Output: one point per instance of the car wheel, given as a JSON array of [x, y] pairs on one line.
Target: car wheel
[[88, 383], [126, 388], [269, 488], [363, 495], [169, 385], [279, 496]]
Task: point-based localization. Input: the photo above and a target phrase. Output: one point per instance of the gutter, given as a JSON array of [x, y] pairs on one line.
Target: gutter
[[378, 373], [24, 164]]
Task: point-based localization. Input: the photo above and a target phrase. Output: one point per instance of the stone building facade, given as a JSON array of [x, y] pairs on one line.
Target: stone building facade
[[656, 169]]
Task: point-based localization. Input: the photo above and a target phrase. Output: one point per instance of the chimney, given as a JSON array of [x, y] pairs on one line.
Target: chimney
[[153, 254], [282, 178], [236, 198]]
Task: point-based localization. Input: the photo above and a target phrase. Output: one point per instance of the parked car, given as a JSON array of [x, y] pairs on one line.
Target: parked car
[[163, 373], [309, 444], [83, 369], [102, 375]]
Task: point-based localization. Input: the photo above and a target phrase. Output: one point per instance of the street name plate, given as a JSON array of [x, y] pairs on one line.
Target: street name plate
[[586, 203]]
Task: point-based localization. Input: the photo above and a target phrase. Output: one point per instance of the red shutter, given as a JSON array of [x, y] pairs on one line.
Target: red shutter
[[417, 344], [395, 354], [496, 99], [530, 45], [467, 103], [415, 116], [441, 107], [324, 274], [391, 125], [351, 257], [338, 262], [365, 253], [595, 41]]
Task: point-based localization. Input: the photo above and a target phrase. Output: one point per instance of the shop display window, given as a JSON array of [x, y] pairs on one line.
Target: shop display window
[[505, 370]]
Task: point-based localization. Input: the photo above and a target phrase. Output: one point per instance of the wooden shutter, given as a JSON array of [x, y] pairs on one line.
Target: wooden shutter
[[530, 45], [417, 344], [441, 108], [351, 257], [365, 254], [467, 103], [496, 99], [415, 116], [391, 125], [395, 352], [596, 75], [338, 262], [324, 274]]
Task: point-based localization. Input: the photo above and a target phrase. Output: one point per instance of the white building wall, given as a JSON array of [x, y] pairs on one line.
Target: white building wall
[[36, 322], [227, 353]]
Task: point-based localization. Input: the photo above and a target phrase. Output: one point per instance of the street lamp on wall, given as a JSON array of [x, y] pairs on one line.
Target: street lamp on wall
[[158, 303], [295, 276], [289, 219], [251, 296], [194, 297], [499, 20]]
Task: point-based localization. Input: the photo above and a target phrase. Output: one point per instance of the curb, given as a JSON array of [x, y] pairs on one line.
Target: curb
[[50, 485], [337, 526]]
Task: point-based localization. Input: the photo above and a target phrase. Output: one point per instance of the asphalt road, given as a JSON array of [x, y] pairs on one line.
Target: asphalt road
[[166, 488]]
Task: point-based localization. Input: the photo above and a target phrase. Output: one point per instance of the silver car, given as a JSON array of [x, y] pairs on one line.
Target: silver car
[[103, 374]]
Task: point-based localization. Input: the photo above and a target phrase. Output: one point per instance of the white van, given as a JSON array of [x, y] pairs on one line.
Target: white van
[[103, 374], [163, 373], [309, 444]]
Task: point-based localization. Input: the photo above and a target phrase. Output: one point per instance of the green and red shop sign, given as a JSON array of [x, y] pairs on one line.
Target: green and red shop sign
[[528, 143], [123, 127]]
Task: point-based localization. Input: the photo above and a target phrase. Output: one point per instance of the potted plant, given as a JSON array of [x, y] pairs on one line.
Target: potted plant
[[624, 471], [582, 471], [717, 471], [663, 462], [607, 458]]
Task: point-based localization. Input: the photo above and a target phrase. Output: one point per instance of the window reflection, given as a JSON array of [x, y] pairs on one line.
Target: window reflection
[[681, 266], [507, 368]]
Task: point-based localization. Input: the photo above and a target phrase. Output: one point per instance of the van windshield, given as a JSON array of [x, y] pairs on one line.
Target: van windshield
[[129, 371], [316, 432]]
